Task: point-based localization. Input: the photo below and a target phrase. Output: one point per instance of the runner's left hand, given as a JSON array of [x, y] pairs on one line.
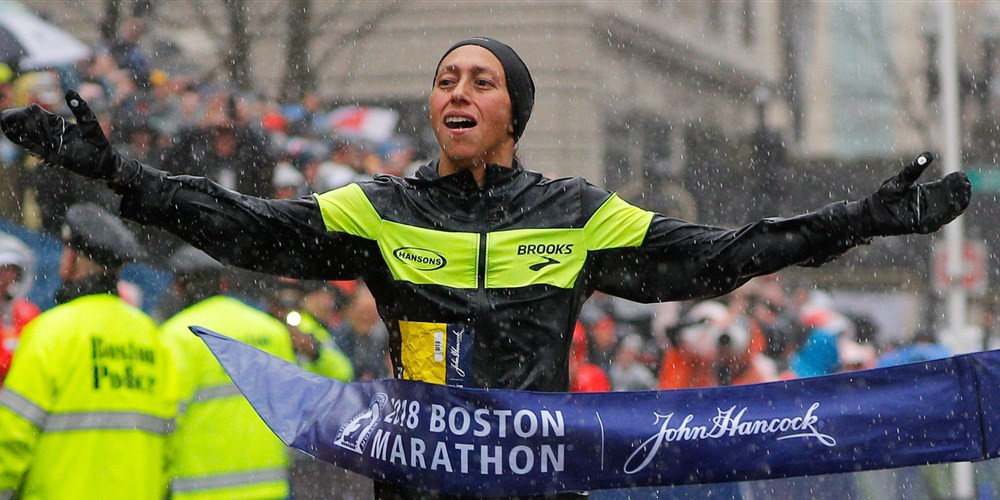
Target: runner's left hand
[[901, 206]]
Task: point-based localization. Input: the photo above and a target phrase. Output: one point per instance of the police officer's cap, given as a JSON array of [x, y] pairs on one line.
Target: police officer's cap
[[189, 260], [100, 236]]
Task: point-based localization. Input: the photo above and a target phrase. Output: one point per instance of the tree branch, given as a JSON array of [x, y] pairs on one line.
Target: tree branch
[[330, 17], [362, 30]]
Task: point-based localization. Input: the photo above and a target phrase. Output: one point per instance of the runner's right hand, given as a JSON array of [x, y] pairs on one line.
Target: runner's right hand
[[80, 147]]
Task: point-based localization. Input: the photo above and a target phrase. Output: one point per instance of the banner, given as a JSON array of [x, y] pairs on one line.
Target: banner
[[373, 124], [505, 442]]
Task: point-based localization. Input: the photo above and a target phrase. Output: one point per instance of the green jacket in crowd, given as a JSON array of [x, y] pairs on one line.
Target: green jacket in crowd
[[221, 448], [87, 406], [330, 361]]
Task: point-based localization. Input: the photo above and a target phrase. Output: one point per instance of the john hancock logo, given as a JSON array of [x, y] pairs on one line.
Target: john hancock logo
[[354, 434], [727, 423], [420, 259]]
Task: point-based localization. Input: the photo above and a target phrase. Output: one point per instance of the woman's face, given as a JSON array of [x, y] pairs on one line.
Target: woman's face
[[471, 111]]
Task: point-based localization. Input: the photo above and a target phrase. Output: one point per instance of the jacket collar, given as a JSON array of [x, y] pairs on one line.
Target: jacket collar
[[106, 282], [496, 176]]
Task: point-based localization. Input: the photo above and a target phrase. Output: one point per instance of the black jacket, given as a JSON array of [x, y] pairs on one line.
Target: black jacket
[[482, 286]]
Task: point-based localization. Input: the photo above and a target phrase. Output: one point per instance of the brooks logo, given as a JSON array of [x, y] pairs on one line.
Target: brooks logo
[[557, 249], [548, 262]]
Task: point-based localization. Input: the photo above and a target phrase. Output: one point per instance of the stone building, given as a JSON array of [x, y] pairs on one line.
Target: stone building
[[620, 84]]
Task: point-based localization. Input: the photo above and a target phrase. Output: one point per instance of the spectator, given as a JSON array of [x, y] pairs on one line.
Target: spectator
[[627, 373], [220, 448], [584, 376], [324, 302], [819, 355], [856, 346], [288, 182], [315, 348], [713, 347], [139, 138], [923, 347], [305, 115], [397, 156], [91, 385], [603, 341], [344, 166], [363, 337], [235, 156], [17, 271], [128, 54]]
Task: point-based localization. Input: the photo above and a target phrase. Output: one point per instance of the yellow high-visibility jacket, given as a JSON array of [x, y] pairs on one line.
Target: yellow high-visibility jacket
[[87, 404], [331, 361], [221, 448]]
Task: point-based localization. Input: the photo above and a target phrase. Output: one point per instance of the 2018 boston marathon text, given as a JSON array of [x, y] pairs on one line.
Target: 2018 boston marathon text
[[495, 441]]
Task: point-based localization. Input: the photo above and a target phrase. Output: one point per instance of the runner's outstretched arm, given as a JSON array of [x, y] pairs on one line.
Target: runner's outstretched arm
[[679, 260], [284, 237]]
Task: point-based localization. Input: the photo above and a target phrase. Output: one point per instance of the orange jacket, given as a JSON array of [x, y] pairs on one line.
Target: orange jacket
[[23, 312]]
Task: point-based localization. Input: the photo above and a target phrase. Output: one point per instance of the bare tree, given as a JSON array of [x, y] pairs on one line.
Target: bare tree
[[360, 31], [238, 53], [143, 8], [298, 77], [301, 67], [111, 20]]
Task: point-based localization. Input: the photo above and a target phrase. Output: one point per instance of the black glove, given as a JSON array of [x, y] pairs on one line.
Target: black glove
[[902, 207], [79, 147]]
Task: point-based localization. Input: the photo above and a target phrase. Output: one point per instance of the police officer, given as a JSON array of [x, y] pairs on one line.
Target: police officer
[[91, 394], [221, 448]]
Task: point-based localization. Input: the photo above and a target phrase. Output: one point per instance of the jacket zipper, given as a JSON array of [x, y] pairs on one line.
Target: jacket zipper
[[481, 302]]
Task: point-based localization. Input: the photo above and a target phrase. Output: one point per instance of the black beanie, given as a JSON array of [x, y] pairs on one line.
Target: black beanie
[[520, 87]]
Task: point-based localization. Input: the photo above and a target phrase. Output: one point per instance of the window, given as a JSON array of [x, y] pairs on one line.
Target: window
[[638, 148]]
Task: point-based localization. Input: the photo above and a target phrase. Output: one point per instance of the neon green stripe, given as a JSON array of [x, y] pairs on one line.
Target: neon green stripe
[[348, 210], [617, 224], [430, 257], [523, 257]]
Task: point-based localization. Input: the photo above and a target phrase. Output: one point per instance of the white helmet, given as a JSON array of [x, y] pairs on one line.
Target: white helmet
[[713, 328], [13, 252]]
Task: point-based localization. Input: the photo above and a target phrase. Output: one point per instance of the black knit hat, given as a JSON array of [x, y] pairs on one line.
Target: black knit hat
[[520, 87]]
